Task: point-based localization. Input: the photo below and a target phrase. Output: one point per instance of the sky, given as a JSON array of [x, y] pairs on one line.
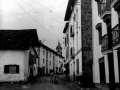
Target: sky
[[47, 16]]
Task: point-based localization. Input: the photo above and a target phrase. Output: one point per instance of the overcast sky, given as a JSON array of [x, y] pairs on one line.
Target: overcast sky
[[47, 16]]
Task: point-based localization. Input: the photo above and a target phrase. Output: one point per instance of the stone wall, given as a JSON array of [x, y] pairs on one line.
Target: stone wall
[[86, 28]]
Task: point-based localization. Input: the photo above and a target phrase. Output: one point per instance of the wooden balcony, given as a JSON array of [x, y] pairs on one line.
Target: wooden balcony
[[106, 43], [105, 9], [116, 35]]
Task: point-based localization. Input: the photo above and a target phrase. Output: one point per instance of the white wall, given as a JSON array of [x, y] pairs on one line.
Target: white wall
[[115, 21], [20, 58], [96, 20], [97, 54]]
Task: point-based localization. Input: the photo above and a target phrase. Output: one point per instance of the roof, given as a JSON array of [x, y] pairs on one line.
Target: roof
[[18, 39], [65, 28], [41, 44], [69, 9]]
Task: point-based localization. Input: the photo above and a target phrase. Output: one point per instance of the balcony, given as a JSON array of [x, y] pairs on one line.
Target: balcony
[[106, 43], [105, 9], [72, 52], [115, 4], [116, 35]]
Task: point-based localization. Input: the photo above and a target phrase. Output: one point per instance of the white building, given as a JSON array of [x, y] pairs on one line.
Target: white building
[[50, 61], [78, 30], [18, 55], [106, 19]]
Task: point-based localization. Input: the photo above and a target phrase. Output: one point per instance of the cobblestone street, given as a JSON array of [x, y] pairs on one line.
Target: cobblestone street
[[42, 83]]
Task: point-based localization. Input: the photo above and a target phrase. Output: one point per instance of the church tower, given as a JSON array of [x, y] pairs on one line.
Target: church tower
[[59, 48]]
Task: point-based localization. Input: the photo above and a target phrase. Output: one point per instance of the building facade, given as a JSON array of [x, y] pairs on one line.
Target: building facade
[[78, 30], [106, 64], [23, 58], [18, 56]]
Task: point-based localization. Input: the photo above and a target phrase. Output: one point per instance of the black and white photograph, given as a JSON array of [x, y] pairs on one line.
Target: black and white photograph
[[59, 45]]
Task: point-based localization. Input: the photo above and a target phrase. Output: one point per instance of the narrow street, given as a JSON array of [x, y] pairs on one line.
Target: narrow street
[[42, 83]]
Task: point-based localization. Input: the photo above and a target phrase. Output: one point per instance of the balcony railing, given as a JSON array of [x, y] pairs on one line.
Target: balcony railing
[[115, 4], [105, 7], [116, 34], [106, 42]]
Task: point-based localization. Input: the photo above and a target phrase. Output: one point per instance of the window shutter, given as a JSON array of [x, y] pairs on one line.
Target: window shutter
[[6, 69], [17, 68]]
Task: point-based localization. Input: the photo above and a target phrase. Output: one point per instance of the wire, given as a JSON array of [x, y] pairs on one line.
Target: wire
[[46, 8], [36, 12], [34, 19], [12, 15], [41, 13]]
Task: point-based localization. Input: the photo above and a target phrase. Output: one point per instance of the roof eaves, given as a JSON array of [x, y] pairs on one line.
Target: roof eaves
[[69, 10], [66, 26]]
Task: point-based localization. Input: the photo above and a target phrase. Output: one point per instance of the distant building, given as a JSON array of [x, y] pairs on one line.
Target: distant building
[[18, 55], [50, 61]]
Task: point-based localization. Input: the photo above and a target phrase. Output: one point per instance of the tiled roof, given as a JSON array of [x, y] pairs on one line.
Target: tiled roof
[[42, 45], [18, 39], [69, 9]]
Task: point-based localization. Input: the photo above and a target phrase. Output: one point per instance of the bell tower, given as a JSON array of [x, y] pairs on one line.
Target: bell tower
[[59, 48]]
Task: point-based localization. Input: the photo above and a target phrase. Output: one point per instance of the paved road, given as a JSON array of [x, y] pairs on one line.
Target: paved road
[[42, 83]]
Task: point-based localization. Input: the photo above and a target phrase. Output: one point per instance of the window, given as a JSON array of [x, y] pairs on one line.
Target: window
[[119, 16], [50, 54], [43, 52], [102, 6], [100, 35], [47, 55], [77, 66], [65, 41], [118, 53], [71, 29], [43, 60], [11, 69], [74, 17], [50, 63], [99, 28]]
